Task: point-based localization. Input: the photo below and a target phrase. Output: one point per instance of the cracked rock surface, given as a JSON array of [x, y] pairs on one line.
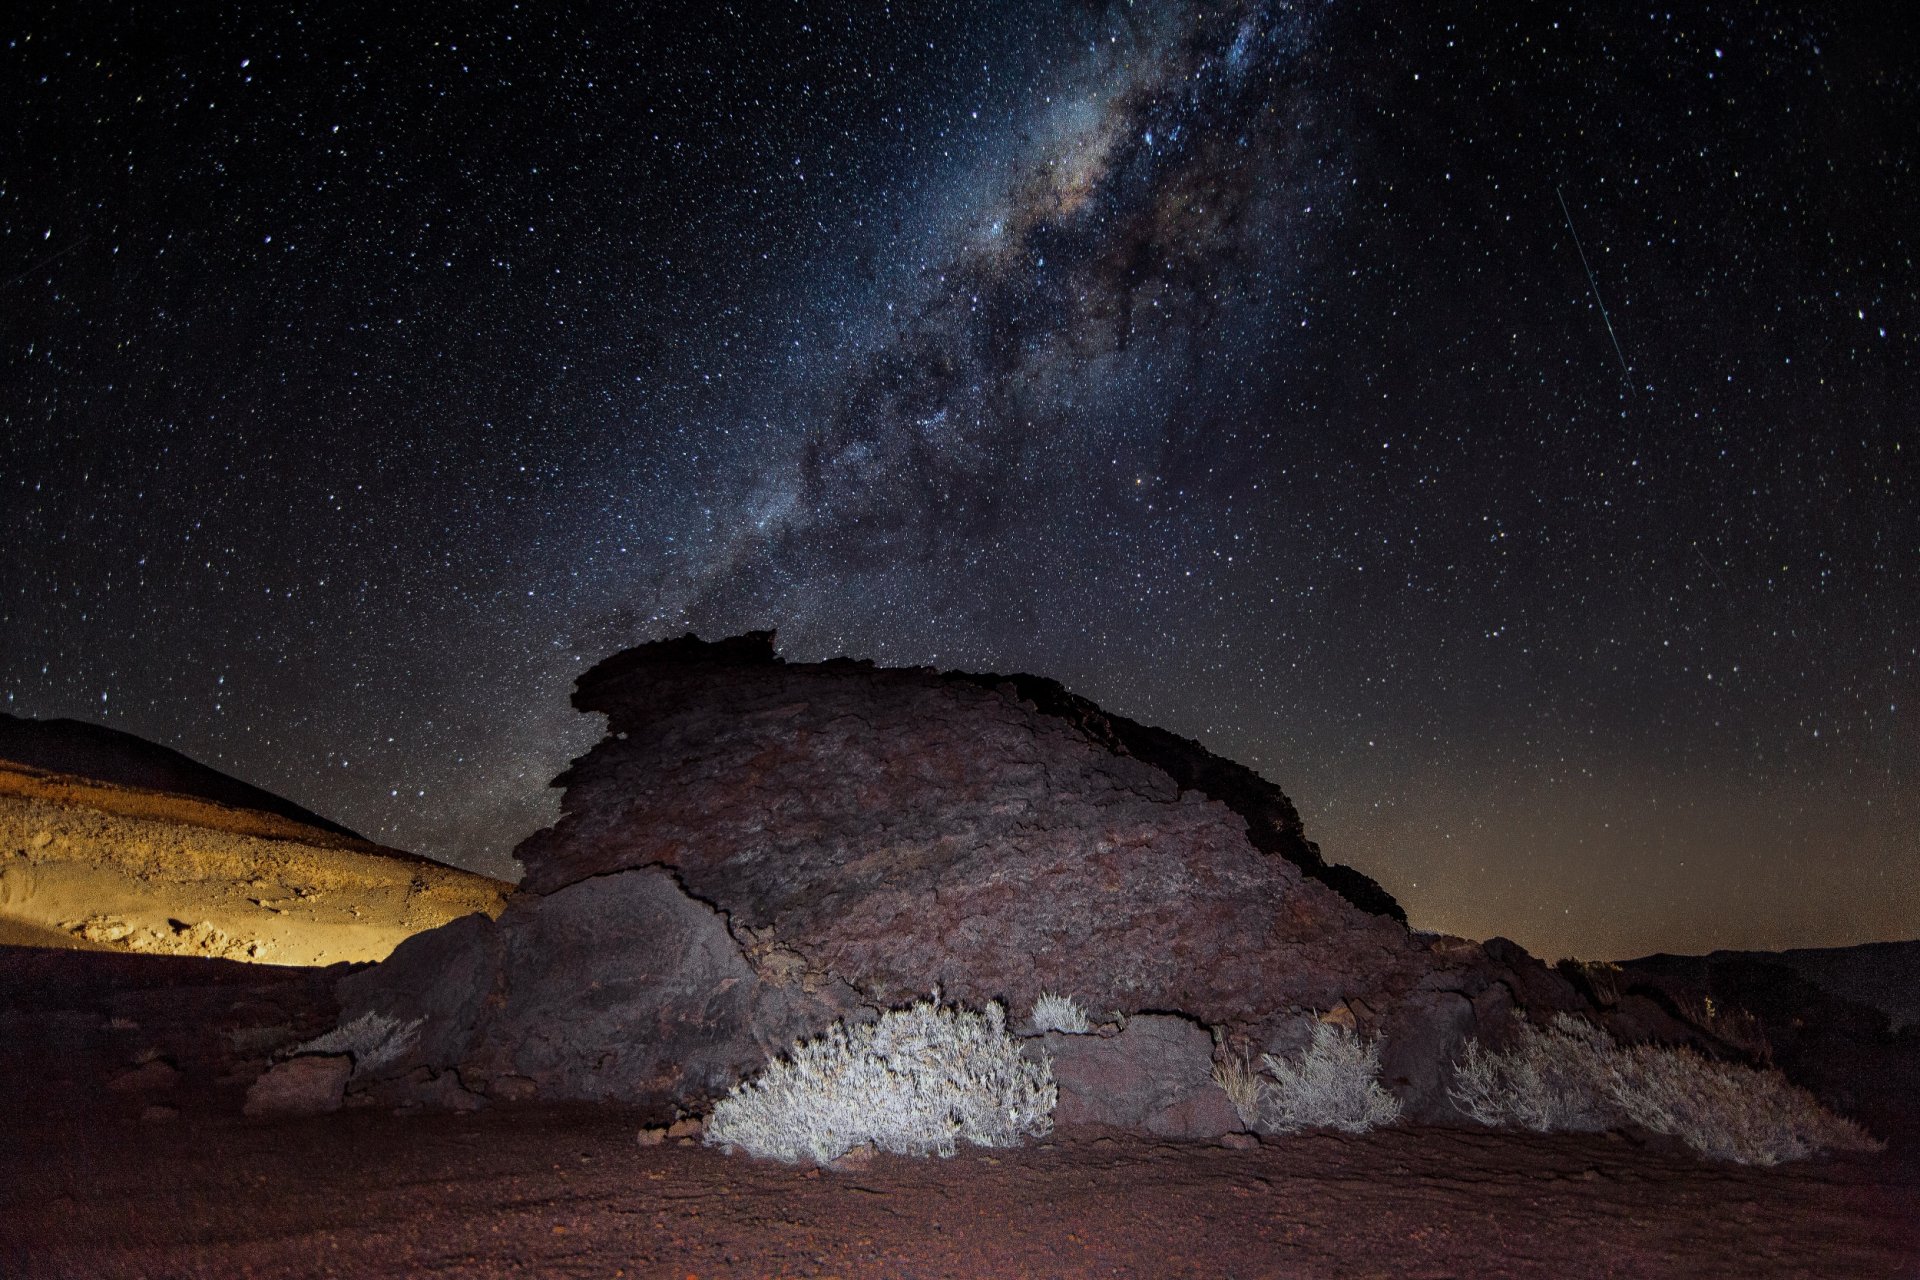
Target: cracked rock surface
[[757, 848]]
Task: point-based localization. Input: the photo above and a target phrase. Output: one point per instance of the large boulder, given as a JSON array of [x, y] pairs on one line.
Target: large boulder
[[902, 828], [620, 988], [758, 848]]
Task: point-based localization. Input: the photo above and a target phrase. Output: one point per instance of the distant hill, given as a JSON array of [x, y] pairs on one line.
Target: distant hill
[[1885, 975], [1881, 975], [75, 748], [114, 843]]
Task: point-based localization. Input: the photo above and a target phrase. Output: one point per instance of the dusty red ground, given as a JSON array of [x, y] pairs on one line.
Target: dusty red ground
[[90, 1189], [570, 1193]]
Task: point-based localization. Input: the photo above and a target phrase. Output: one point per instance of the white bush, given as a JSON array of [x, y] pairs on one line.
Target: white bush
[[1551, 1081], [1573, 1076], [1059, 1013], [1334, 1084], [374, 1040], [916, 1081]]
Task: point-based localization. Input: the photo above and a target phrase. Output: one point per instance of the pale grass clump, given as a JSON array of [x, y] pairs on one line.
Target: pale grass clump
[[915, 1082], [1333, 1084], [373, 1039], [1059, 1013], [1571, 1075], [1243, 1086]]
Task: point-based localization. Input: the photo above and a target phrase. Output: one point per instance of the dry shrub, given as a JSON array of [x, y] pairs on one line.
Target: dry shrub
[[1059, 1013], [915, 1082], [1334, 1084], [373, 1039], [1573, 1076], [1552, 1080], [1243, 1086]]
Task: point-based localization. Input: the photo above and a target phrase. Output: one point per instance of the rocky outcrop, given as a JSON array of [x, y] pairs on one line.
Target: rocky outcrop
[[900, 829], [757, 848], [1785, 1010], [618, 988]]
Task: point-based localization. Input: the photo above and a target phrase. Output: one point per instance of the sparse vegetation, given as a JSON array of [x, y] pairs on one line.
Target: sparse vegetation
[[1334, 1084], [1059, 1013], [1243, 1086], [373, 1039], [1571, 1075], [915, 1082]]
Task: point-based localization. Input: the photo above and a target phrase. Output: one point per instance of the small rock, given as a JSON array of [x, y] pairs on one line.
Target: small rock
[[512, 1088], [156, 1073], [313, 1084], [689, 1127], [1240, 1141], [445, 1092], [651, 1137], [857, 1158]]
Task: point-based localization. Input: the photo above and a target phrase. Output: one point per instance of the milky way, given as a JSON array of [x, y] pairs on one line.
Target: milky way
[[1235, 364]]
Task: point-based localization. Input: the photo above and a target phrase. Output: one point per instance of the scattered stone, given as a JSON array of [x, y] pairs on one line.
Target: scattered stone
[[149, 1077], [687, 1127], [445, 1092], [1240, 1141], [853, 1160], [651, 1137], [511, 1088], [313, 1084]]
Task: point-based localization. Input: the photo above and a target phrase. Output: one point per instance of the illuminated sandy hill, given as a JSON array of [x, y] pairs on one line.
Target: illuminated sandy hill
[[195, 862]]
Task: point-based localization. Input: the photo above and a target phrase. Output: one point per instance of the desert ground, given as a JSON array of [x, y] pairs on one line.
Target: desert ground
[[126, 1155], [540, 1192]]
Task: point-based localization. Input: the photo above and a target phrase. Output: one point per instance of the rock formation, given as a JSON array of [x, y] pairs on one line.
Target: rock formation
[[757, 848]]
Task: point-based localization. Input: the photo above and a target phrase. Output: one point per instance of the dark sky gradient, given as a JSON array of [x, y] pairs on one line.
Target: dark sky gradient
[[368, 371]]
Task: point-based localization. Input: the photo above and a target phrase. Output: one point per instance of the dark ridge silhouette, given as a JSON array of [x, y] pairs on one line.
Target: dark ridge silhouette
[[77, 749]]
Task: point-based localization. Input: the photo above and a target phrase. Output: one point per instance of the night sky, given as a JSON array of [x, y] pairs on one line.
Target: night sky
[[1494, 423]]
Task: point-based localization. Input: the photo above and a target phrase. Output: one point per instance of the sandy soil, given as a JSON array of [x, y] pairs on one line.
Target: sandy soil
[[75, 875], [570, 1193]]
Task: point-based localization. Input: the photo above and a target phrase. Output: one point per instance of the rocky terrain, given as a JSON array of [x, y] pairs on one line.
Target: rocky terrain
[[108, 842], [758, 848]]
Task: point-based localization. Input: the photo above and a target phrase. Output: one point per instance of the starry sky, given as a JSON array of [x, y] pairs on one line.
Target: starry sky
[[1492, 422]]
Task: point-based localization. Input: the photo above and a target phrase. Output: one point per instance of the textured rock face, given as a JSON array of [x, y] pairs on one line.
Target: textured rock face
[[757, 849], [1155, 1077], [620, 988], [898, 828]]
